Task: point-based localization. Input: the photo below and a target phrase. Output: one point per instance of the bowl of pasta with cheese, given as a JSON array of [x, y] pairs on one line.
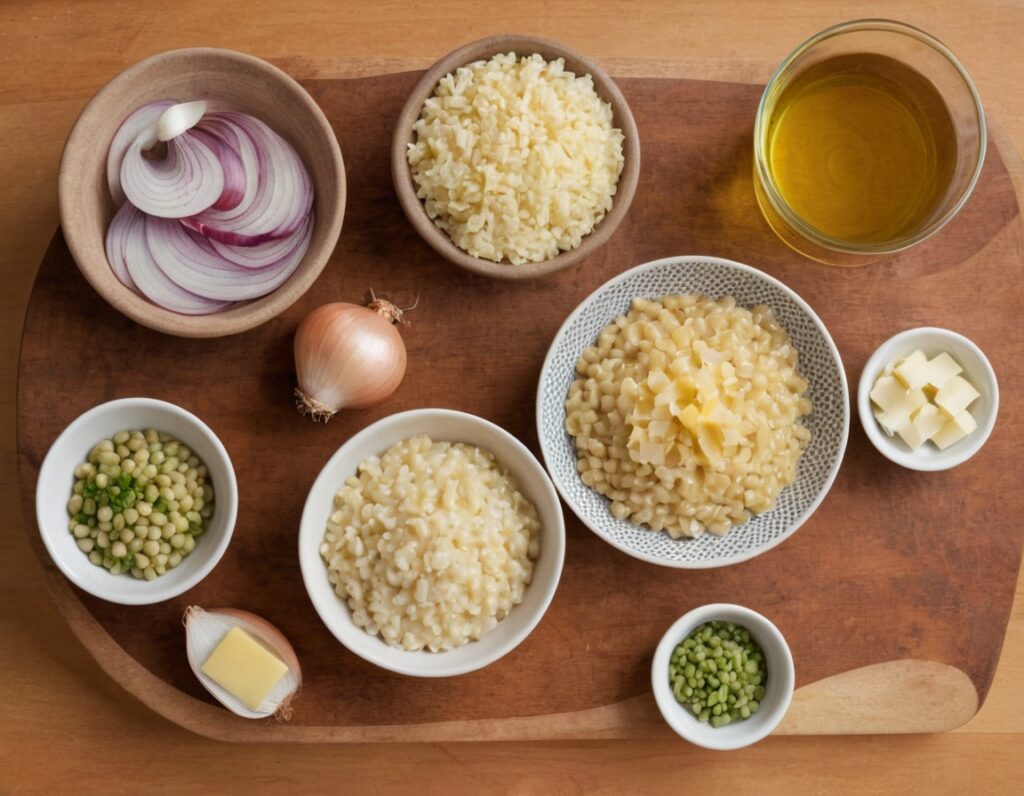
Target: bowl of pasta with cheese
[[693, 412]]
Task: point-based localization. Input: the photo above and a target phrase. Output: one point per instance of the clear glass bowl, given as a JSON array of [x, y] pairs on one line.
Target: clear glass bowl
[[923, 53]]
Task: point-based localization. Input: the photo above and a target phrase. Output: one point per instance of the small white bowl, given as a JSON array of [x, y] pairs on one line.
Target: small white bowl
[[449, 426], [977, 370], [778, 686], [56, 478]]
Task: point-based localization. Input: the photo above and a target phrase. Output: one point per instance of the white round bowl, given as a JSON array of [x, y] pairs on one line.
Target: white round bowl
[[56, 478], [449, 426], [977, 370], [778, 686], [819, 362]]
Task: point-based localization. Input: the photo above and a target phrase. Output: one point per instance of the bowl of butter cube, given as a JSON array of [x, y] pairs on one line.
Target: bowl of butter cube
[[928, 399]]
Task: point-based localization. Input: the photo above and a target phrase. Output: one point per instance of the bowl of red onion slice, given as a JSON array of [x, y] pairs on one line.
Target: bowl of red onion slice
[[201, 192]]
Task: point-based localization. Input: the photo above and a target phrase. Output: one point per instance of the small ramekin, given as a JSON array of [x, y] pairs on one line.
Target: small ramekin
[[778, 686], [977, 370]]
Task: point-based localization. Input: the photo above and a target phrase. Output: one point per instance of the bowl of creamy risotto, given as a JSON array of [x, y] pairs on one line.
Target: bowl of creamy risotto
[[431, 543], [693, 412]]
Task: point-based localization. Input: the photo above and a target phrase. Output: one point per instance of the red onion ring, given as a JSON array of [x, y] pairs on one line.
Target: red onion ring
[[283, 198], [117, 239], [189, 260], [148, 278], [189, 180], [266, 254], [137, 121]]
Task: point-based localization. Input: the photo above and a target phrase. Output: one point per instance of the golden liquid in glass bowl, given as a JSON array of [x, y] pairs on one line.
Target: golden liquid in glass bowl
[[862, 148]]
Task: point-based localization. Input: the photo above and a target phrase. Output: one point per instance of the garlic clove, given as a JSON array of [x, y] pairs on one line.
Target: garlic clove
[[205, 629]]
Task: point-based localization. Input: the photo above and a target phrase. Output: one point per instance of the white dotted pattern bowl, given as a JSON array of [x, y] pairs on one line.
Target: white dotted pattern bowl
[[819, 362], [977, 370], [533, 482], [778, 685], [56, 478]]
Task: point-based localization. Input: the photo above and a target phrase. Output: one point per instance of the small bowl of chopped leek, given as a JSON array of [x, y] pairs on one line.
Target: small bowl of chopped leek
[[723, 676], [136, 501]]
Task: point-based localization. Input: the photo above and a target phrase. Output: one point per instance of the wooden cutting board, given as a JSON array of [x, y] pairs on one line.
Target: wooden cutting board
[[894, 596]]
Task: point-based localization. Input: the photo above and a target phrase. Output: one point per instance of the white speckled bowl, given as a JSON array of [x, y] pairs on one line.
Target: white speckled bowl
[[450, 426], [819, 363], [977, 370]]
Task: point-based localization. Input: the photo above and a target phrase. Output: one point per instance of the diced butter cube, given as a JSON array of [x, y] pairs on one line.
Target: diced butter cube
[[928, 420], [913, 371], [657, 430], [922, 426], [888, 393], [955, 396], [244, 668], [651, 453], [657, 381], [954, 430], [689, 417], [941, 369], [900, 409], [666, 396]]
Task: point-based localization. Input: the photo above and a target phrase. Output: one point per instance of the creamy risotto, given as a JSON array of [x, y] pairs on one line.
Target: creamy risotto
[[431, 544], [686, 414]]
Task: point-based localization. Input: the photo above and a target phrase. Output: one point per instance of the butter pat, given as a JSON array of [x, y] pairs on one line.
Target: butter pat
[[954, 430], [913, 371], [955, 396], [244, 668], [921, 399], [941, 369]]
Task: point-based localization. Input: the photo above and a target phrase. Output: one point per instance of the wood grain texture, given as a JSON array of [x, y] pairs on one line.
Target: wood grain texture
[[910, 587], [57, 53]]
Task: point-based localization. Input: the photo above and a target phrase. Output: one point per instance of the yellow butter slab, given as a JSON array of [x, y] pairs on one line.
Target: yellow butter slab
[[244, 668]]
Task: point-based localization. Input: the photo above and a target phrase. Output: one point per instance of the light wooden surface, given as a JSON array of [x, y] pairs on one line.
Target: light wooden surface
[[68, 726]]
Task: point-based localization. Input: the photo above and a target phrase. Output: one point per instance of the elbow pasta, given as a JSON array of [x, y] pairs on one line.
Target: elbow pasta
[[431, 544], [686, 414]]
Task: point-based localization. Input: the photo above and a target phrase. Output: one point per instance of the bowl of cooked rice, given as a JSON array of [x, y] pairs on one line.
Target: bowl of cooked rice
[[693, 412], [432, 543], [515, 157]]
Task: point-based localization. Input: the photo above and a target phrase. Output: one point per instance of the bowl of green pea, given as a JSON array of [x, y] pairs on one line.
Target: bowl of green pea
[[136, 501], [723, 676]]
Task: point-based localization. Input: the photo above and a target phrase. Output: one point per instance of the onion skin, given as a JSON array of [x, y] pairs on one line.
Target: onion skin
[[347, 356]]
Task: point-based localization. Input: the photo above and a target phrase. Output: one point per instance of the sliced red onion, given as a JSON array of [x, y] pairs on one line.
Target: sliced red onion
[[234, 171], [117, 239], [189, 180], [283, 197], [242, 146], [226, 216], [189, 260], [178, 118], [148, 278], [266, 254], [139, 120]]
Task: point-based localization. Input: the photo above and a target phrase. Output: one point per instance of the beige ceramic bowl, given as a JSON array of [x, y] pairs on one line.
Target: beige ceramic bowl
[[521, 45], [245, 83]]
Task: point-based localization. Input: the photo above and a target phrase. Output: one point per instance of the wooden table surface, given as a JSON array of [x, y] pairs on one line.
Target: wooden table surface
[[69, 727]]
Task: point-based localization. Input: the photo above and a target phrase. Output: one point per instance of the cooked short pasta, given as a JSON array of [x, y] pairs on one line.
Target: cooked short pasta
[[431, 544], [686, 414]]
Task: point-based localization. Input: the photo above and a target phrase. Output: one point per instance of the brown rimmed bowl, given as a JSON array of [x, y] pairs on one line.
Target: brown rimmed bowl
[[246, 84], [481, 50]]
